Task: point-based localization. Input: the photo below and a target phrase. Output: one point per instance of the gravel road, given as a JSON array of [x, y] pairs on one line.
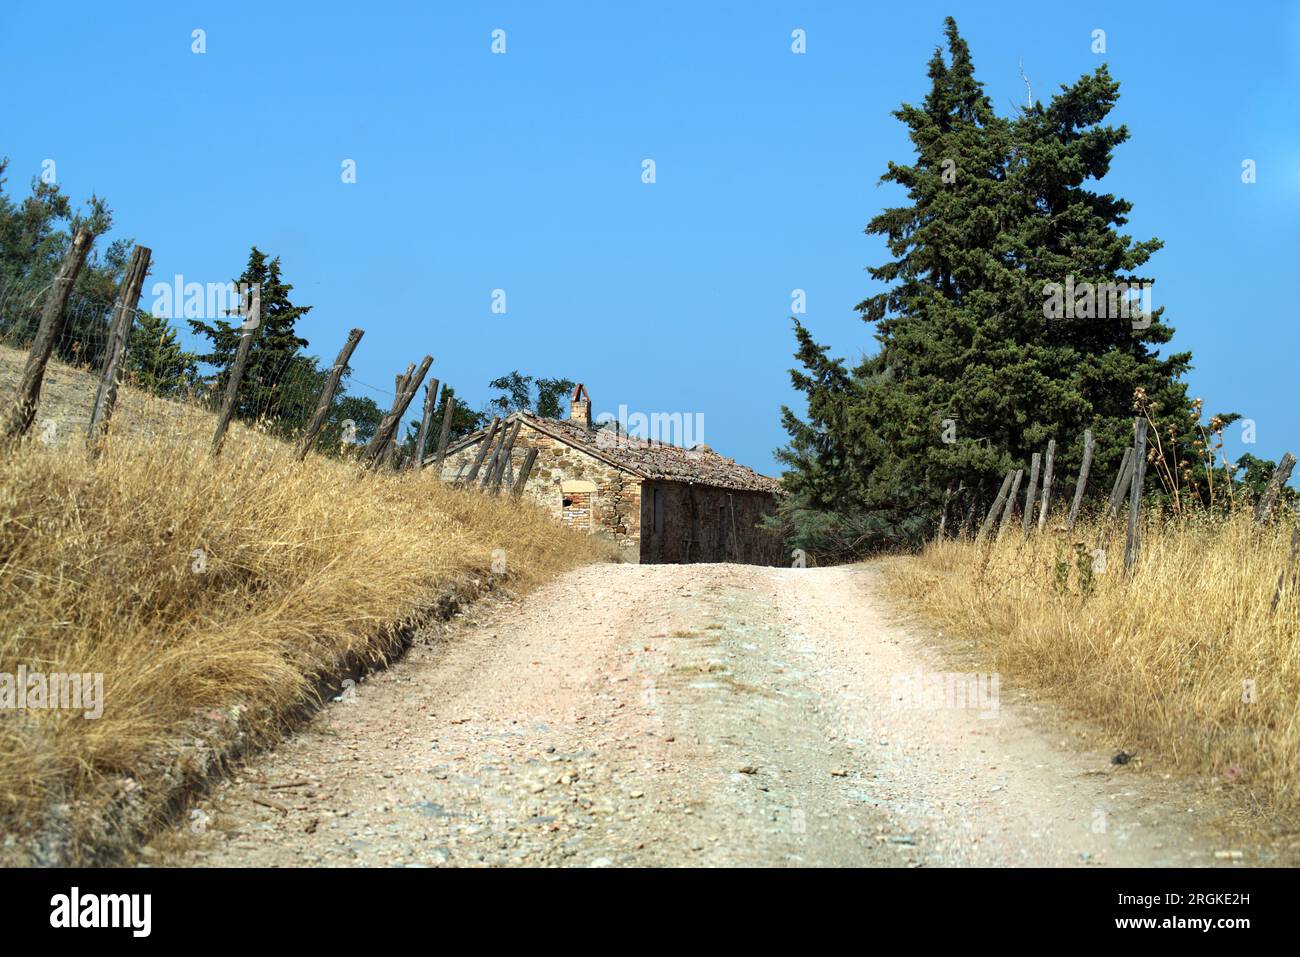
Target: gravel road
[[710, 715]]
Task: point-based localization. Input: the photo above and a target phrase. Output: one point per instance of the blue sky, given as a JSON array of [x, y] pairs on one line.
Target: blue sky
[[522, 172]]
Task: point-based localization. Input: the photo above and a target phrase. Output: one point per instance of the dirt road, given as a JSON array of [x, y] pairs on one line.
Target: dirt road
[[691, 715]]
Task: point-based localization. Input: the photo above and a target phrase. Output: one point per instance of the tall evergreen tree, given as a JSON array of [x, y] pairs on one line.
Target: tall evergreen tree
[[156, 361], [1058, 376], [269, 387], [971, 375]]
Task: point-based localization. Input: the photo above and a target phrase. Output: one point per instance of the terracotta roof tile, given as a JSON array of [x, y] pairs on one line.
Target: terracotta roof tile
[[651, 460]]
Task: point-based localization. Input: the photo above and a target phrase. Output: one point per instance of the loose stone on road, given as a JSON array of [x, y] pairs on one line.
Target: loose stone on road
[[668, 715]]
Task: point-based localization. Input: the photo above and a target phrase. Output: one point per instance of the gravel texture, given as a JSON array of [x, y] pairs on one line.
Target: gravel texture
[[712, 715]]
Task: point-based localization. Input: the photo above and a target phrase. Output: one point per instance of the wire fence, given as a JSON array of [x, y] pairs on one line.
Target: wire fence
[[278, 393]]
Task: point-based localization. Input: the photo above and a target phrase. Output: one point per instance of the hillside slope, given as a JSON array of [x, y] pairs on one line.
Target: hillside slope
[[213, 596]]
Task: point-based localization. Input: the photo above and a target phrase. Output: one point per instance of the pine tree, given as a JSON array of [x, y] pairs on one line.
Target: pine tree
[[972, 376], [156, 362], [864, 474], [270, 388], [1058, 376]]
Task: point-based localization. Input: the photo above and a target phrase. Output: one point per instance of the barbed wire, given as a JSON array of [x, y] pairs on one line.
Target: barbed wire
[[278, 394]]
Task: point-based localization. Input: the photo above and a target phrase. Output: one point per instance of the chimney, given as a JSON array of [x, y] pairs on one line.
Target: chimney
[[580, 407]]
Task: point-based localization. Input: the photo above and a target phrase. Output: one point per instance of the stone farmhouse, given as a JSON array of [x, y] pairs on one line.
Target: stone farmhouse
[[658, 502]]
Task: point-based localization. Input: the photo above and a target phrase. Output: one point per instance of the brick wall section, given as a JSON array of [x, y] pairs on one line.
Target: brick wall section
[[577, 513]]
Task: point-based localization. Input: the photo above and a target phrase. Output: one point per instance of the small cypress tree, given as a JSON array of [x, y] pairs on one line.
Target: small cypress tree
[[156, 362], [267, 389]]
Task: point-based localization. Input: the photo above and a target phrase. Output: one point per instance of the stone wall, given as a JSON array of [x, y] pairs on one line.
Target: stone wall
[[700, 523], [614, 507]]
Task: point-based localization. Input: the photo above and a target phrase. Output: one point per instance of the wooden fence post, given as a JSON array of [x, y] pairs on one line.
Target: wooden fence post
[[968, 521], [1047, 483], [379, 442], [1027, 519], [1264, 507], [430, 400], [119, 338], [1287, 568], [447, 416], [522, 478], [326, 402], [1133, 541], [943, 513], [1082, 481], [996, 506], [1011, 500], [483, 450], [388, 459], [231, 399], [1122, 482], [22, 412], [506, 452], [399, 383], [491, 468]]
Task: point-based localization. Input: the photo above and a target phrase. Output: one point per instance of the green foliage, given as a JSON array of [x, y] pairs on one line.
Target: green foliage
[[274, 382], [351, 416], [523, 392], [34, 237], [971, 376], [155, 361], [464, 420], [1255, 475]]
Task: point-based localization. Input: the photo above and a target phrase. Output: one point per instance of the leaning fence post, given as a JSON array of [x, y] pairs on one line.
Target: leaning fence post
[[1264, 507], [491, 468], [1122, 482], [388, 425], [326, 402], [1082, 481], [23, 410], [996, 506], [1047, 483], [1133, 541], [1011, 500], [447, 416], [1027, 519], [1287, 567], [119, 337], [506, 451], [231, 399], [388, 459], [522, 479], [430, 400], [482, 452]]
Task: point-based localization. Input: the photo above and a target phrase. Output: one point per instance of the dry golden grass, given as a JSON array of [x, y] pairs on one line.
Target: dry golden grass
[[303, 564], [1161, 663]]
